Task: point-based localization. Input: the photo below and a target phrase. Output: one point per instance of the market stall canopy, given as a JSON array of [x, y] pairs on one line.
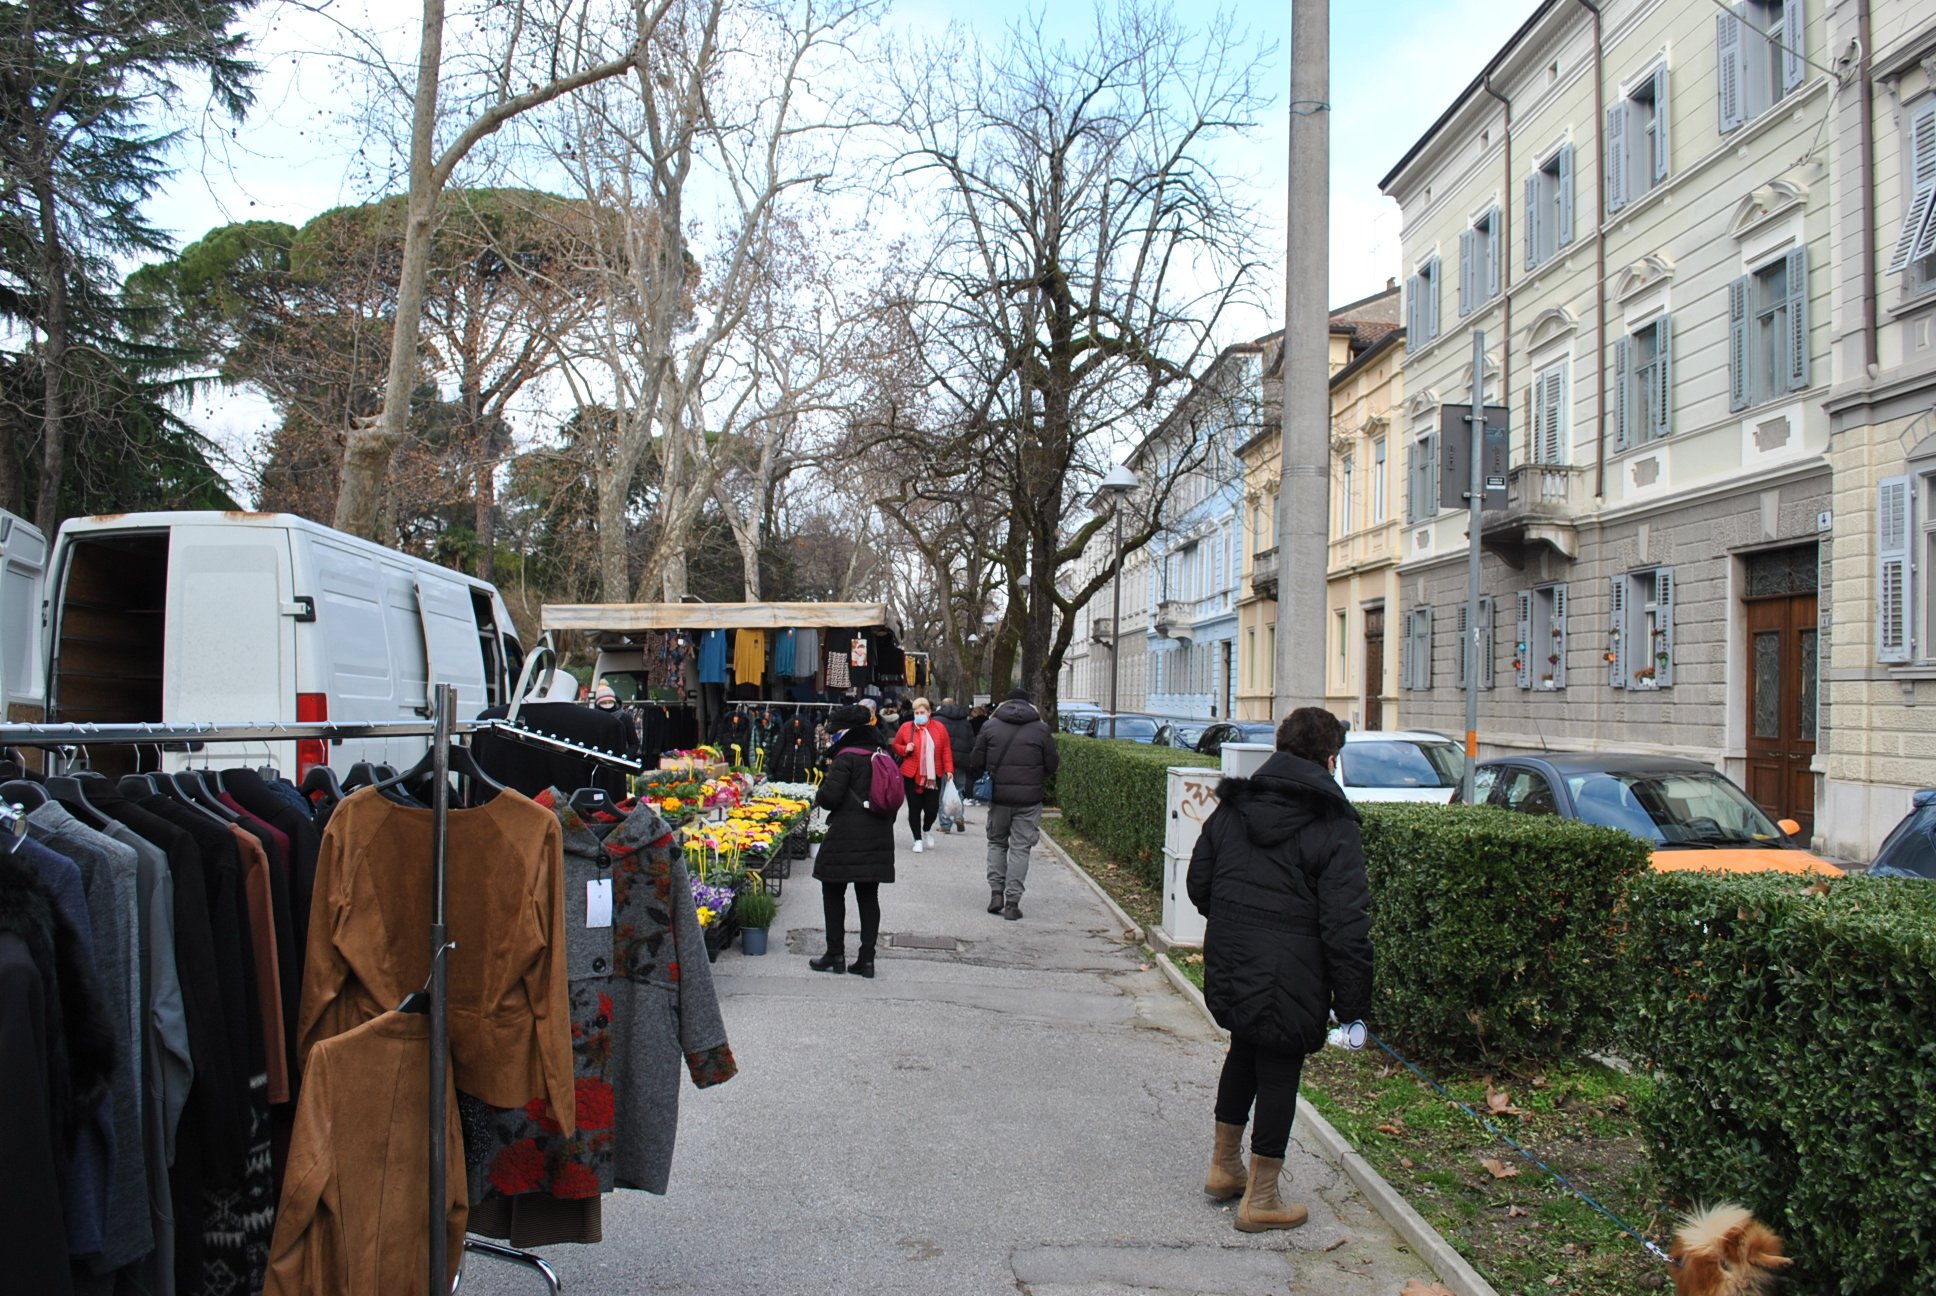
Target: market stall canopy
[[634, 618]]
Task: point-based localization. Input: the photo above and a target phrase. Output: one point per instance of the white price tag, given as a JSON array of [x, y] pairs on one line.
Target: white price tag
[[598, 903]]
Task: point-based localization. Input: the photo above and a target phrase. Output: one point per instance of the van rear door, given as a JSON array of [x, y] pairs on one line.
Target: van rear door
[[448, 626], [23, 571], [229, 653]]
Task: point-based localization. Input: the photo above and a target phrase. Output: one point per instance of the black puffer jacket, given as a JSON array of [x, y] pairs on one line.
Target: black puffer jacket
[[1279, 871], [860, 844], [961, 734], [1018, 749]]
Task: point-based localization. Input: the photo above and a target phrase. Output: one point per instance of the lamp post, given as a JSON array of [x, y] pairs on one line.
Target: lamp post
[[1117, 485]]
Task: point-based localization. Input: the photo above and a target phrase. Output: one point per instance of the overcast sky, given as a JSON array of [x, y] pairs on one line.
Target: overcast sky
[[1395, 67]]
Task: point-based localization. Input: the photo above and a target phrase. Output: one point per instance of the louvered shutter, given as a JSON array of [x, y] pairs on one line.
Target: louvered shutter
[[1623, 419], [1535, 405], [1730, 67], [1559, 638], [1794, 42], [1468, 239], [1894, 525], [1434, 303], [1664, 624], [1740, 382], [1797, 376], [1522, 640], [1923, 163], [1465, 646], [1662, 117], [1552, 405], [1421, 638], [1411, 482], [1617, 632], [1405, 654], [1617, 157], [1495, 252], [1566, 197], [1532, 220], [1660, 416], [1412, 329], [1485, 641]]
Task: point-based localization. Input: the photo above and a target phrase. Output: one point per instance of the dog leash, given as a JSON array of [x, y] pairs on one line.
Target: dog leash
[[1652, 1246]]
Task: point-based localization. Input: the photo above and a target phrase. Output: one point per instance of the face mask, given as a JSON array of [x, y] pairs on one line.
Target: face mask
[[920, 717]]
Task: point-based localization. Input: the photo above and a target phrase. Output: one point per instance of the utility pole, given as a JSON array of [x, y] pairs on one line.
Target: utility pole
[[1475, 499], [1304, 497]]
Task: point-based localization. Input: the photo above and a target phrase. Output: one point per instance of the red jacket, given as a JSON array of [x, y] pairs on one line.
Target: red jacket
[[944, 751]]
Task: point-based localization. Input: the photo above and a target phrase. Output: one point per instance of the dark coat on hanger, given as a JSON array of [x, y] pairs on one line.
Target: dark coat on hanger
[[531, 769], [860, 844]]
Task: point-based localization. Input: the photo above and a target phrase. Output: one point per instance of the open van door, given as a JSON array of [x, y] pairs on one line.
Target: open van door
[[23, 575], [452, 651], [228, 654]]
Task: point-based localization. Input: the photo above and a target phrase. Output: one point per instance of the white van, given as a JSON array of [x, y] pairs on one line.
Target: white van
[[257, 617], [23, 671]]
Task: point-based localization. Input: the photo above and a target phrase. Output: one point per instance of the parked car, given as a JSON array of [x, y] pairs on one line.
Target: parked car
[[1400, 765], [1211, 742], [1695, 817], [1129, 728], [1181, 733], [1910, 848], [1076, 717]]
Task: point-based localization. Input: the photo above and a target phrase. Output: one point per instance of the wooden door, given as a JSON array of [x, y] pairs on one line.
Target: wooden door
[[1783, 669], [1374, 712]]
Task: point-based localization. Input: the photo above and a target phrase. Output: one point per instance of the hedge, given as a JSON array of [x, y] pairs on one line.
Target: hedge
[[1791, 1024], [1114, 793], [1490, 929]]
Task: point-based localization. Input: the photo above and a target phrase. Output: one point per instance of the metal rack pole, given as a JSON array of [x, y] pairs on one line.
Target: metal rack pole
[[439, 990]]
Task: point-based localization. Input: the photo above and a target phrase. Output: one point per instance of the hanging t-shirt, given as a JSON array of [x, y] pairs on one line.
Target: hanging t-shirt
[[783, 649], [838, 676], [860, 668], [712, 657], [749, 656]]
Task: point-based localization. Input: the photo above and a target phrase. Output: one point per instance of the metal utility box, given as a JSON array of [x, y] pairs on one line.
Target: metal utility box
[[1192, 796], [1241, 760]]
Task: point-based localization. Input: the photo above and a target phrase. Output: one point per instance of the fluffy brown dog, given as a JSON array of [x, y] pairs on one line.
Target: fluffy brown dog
[[1725, 1251]]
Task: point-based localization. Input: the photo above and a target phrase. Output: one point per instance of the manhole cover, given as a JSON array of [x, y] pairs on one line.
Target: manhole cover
[[908, 940]]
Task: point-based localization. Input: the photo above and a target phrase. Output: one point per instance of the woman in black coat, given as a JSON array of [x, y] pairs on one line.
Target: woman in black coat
[[1279, 872], [859, 847]]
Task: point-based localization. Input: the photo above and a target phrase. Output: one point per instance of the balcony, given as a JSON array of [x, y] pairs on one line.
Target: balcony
[[1101, 629], [1263, 572], [1542, 501], [1173, 619]]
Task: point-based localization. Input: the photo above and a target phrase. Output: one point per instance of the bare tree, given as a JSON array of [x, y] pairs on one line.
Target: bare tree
[[1088, 249]]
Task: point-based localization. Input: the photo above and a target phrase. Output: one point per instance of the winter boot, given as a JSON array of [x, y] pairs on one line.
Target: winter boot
[[831, 961], [1261, 1209], [1227, 1177], [994, 902], [863, 964]]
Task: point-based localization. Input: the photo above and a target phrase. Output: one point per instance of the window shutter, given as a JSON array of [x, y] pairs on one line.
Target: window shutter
[[1623, 419], [1422, 652], [1522, 640], [1730, 67], [1893, 527], [1413, 287], [1739, 386], [1405, 654], [1485, 642], [1411, 483], [1553, 406], [1495, 252], [1660, 417], [1532, 220], [1797, 376], [1559, 640], [1536, 403], [1467, 241], [1664, 621], [1566, 196], [1617, 632], [1923, 160], [1794, 41], [1616, 157], [1433, 301], [1661, 119], [1465, 646]]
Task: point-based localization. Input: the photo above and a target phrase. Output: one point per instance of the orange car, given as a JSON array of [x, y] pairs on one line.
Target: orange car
[[1696, 818]]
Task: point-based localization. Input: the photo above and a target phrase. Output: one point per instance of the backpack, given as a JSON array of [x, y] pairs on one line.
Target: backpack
[[886, 793]]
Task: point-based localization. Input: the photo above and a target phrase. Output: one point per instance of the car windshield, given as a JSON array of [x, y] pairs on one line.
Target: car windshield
[[1911, 849], [1187, 735], [1400, 763], [1691, 809], [1132, 727]]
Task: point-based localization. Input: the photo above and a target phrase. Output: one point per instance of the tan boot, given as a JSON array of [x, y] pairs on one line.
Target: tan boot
[[1261, 1209], [1227, 1176]]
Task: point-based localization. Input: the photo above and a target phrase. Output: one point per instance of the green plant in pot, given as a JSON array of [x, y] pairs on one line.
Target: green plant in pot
[[755, 909]]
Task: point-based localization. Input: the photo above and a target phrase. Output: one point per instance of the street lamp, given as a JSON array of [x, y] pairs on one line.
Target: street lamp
[[1117, 485]]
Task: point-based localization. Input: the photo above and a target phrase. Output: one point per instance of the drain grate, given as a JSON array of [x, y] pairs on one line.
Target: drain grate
[[908, 940]]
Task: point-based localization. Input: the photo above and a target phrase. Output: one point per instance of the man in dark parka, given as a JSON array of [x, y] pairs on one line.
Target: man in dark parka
[[1279, 872], [859, 847], [1019, 753]]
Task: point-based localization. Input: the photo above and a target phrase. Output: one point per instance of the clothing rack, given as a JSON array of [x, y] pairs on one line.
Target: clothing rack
[[441, 729]]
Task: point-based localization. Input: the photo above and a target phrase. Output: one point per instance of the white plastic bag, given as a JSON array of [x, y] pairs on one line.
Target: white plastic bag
[[952, 809]]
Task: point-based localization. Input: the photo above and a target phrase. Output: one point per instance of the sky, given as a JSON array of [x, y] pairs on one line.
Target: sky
[[1395, 67]]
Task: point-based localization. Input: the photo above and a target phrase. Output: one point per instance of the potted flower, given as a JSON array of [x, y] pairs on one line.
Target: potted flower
[[1645, 678], [755, 909], [816, 833]]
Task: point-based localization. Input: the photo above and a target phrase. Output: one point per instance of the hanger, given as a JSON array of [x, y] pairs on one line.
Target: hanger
[[68, 790], [196, 792], [418, 1001], [25, 792], [587, 799], [462, 763], [321, 782], [363, 774]]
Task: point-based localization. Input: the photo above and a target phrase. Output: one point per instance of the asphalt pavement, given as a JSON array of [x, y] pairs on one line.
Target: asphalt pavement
[[1026, 1108]]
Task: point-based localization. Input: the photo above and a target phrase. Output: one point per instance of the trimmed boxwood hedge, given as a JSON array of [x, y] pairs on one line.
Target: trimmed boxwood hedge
[[1114, 792], [1491, 929], [1791, 1024]]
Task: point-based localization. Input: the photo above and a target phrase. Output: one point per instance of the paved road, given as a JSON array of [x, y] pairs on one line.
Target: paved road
[[1027, 1111]]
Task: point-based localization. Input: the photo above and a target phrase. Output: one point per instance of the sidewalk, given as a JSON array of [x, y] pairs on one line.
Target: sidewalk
[[1027, 1108]]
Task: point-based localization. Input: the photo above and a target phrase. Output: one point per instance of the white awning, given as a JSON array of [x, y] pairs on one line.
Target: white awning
[[635, 618]]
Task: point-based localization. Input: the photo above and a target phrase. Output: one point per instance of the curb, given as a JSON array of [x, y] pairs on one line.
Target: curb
[[1452, 1268], [1133, 932]]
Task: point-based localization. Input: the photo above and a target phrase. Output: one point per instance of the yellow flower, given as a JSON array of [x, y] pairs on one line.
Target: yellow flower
[[705, 916]]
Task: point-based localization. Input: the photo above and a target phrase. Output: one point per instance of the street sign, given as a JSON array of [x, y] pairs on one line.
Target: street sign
[[1455, 469]]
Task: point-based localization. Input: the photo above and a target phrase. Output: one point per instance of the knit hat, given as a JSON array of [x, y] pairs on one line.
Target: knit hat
[[843, 718], [1020, 695], [603, 697]]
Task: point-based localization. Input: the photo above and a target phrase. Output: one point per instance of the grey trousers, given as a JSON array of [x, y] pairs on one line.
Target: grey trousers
[[1012, 833]]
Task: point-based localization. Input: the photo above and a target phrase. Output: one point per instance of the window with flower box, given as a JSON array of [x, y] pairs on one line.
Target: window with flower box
[[1640, 636], [1539, 642]]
